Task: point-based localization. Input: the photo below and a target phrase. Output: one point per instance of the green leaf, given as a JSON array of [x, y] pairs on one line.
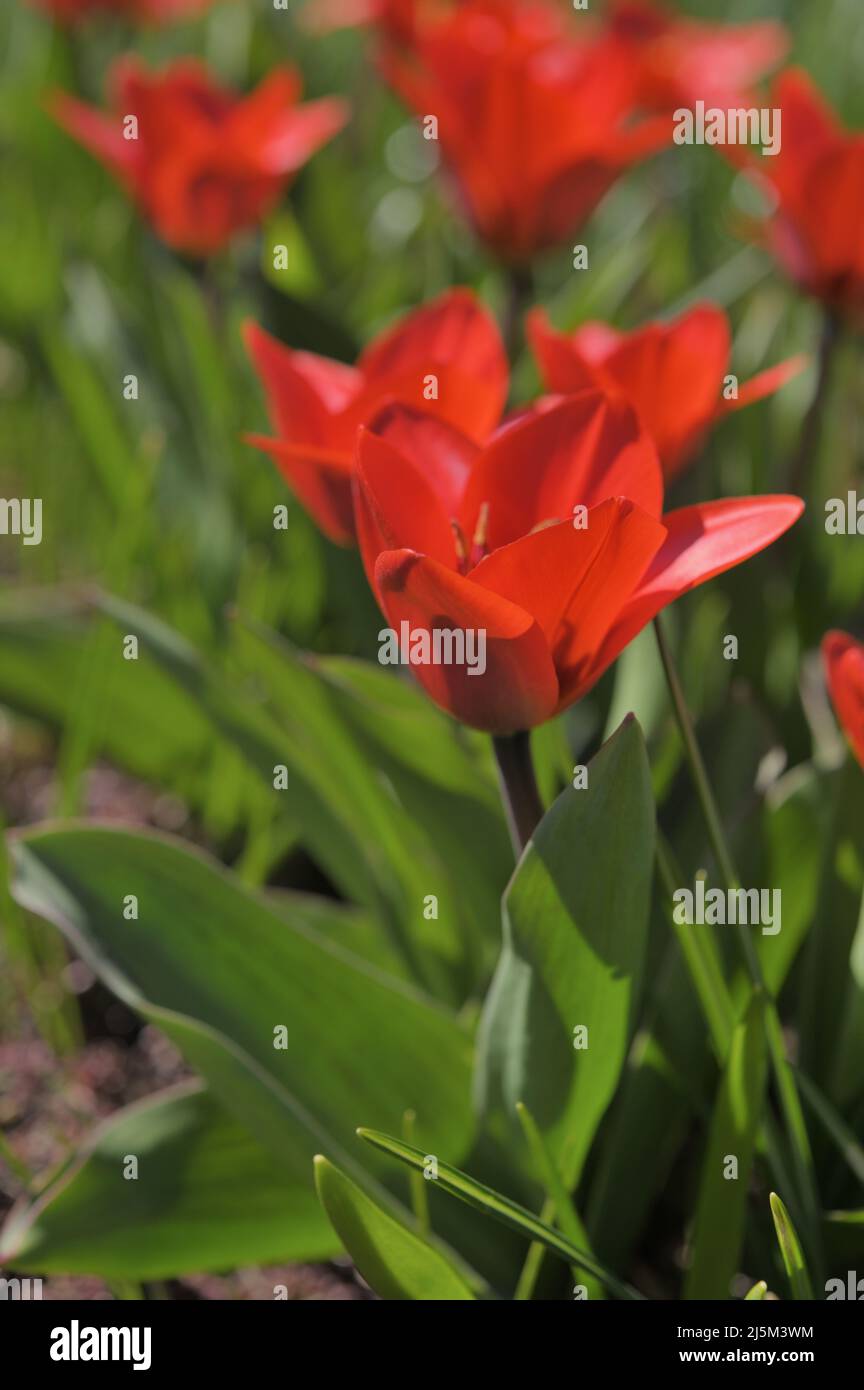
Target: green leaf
[[219, 971], [575, 927], [419, 802], [491, 1203], [757, 1292], [393, 1259], [846, 1142], [718, 1228], [207, 1196], [563, 1211], [790, 1249]]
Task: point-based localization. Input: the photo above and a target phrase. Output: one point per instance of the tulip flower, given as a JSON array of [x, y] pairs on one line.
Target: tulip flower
[[201, 163], [843, 659], [816, 183], [683, 60], [550, 541], [139, 11], [672, 373], [445, 357], [535, 125]]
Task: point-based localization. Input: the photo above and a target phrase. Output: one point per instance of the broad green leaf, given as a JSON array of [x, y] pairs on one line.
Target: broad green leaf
[[146, 725], [425, 827], [790, 1249], [718, 1229], [221, 973], [491, 1203], [206, 1196], [393, 1259], [575, 926]]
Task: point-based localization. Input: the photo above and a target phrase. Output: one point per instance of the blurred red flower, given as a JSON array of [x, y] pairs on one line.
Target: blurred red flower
[[683, 60], [458, 536], [145, 11], [445, 357], [535, 122], [816, 183], [671, 373], [202, 163], [843, 659]]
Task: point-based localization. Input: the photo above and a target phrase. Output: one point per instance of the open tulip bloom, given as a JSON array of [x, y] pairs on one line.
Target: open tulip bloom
[[536, 126], [550, 541], [672, 373], [445, 357], [200, 162], [843, 659]]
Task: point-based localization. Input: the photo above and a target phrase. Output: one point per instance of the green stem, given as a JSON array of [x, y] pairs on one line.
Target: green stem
[[811, 429], [520, 290], [790, 1102], [522, 804]]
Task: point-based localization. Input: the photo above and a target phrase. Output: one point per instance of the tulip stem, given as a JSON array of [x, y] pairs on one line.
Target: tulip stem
[[787, 1092], [811, 430], [520, 289], [522, 805]]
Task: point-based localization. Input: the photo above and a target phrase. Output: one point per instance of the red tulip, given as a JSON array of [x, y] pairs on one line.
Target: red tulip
[[683, 60], [445, 357], [672, 373], [141, 11], [459, 536], [535, 122], [205, 163], [817, 184], [843, 658]]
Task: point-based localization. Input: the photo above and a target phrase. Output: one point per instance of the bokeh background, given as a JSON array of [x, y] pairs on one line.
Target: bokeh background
[[159, 504]]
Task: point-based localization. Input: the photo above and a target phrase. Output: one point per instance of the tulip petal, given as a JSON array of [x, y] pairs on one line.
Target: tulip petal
[[575, 579], [437, 451], [396, 507], [562, 367], [320, 479], [766, 383], [580, 452], [455, 330], [843, 658], [298, 133], [702, 542], [518, 687], [304, 391], [101, 135]]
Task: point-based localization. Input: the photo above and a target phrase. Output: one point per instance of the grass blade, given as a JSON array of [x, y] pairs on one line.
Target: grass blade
[[476, 1194], [790, 1249]]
